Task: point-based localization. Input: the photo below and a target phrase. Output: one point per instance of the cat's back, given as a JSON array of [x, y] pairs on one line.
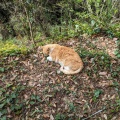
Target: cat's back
[[67, 52]]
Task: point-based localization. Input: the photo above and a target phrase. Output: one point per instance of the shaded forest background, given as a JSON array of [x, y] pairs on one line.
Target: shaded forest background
[[58, 18]]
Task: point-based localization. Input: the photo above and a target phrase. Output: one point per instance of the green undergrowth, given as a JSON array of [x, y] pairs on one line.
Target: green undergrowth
[[11, 101], [11, 47], [117, 52], [96, 56], [52, 40], [98, 61], [92, 53], [81, 26], [9, 98]]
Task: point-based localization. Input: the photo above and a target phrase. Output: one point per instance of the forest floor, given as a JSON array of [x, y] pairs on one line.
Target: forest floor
[[31, 88]]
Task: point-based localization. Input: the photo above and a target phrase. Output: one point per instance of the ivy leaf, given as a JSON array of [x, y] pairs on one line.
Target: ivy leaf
[[118, 102], [4, 118], [2, 105], [32, 102], [13, 95], [92, 23], [97, 93], [2, 69]]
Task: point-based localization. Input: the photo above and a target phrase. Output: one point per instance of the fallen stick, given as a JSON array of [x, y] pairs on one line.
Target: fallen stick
[[94, 114]]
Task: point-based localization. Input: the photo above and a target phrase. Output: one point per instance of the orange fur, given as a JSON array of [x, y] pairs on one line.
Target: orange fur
[[69, 60]]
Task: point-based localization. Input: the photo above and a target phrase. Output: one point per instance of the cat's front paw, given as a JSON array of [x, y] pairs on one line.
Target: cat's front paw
[[58, 71], [49, 58]]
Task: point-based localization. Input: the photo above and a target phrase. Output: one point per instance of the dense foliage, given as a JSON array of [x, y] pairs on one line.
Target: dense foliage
[[56, 18]]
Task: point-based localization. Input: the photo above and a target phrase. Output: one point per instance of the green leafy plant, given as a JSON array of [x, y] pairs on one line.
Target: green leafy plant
[[72, 107], [60, 117], [10, 100], [118, 102], [12, 48], [2, 69], [34, 99], [117, 52], [97, 94]]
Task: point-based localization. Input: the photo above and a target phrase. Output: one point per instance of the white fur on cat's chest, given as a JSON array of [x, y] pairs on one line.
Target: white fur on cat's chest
[[61, 63], [49, 58]]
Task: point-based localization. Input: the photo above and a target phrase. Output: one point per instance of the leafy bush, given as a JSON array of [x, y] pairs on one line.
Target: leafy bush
[[63, 18], [11, 48], [99, 15]]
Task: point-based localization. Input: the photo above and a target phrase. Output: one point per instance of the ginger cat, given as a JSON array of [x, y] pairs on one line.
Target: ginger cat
[[69, 60]]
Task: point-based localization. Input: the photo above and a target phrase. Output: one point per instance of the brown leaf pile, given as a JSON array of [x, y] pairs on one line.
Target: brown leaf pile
[[68, 95]]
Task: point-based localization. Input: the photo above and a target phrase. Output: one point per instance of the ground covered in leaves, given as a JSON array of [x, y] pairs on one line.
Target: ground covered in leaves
[[31, 88]]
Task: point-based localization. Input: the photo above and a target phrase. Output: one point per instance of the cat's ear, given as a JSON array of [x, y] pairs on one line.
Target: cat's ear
[[40, 48], [48, 50]]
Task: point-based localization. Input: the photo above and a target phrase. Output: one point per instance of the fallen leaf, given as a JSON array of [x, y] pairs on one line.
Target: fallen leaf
[[115, 39], [46, 115], [105, 116], [113, 97], [51, 117], [103, 73]]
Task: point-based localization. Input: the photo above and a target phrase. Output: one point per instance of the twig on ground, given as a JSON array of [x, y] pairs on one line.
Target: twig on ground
[[94, 114]]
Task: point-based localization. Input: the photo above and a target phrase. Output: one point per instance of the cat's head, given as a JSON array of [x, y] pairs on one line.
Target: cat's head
[[46, 50]]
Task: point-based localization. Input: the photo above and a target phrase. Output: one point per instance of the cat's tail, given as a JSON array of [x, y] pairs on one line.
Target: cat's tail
[[71, 71]]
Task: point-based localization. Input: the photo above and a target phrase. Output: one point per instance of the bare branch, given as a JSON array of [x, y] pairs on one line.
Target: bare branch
[[30, 25]]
